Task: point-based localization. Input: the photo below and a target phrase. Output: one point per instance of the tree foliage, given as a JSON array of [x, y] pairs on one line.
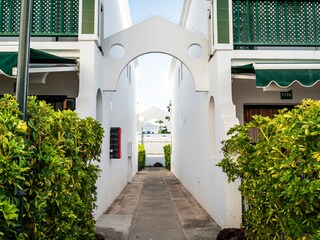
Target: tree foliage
[[280, 173]]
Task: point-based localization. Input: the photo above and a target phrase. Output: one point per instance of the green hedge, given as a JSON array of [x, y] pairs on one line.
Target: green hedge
[[167, 155], [53, 166], [280, 173], [141, 157]]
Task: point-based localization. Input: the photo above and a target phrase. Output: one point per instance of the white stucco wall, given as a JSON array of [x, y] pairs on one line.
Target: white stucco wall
[[119, 111], [191, 161], [117, 16], [113, 109], [197, 20]]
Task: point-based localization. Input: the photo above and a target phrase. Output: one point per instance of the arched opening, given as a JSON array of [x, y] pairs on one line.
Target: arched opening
[[212, 130], [154, 97], [187, 69], [159, 83]]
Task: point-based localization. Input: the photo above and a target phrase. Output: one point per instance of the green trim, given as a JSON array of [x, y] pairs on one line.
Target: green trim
[[8, 60], [39, 57], [10, 16], [276, 22], [41, 17], [281, 77], [41, 34], [286, 20], [238, 22], [258, 21], [88, 16], [223, 21], [71, 15], [248, 20], [1, 15], [49, 18], [276, 44], [243, 69], [51, 15], [285, 78], [61, 20], [315, 20], [305, 22]]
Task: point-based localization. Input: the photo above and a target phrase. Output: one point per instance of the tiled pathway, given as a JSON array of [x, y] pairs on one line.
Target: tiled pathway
[[156, 206]]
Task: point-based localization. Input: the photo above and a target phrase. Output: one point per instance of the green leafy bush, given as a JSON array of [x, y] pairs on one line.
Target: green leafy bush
[[280, 173], [141, 157], [58, 172], [12, 165], [167, 155]]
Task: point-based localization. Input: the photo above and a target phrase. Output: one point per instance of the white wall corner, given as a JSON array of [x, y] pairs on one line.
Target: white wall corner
[[234, 205]]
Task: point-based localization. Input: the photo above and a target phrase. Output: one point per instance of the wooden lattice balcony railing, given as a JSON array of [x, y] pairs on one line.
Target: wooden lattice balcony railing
[[276, 23], [49, 18]]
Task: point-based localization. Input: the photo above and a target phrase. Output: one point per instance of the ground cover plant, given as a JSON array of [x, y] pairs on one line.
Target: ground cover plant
[[51, 157], [280, 173]]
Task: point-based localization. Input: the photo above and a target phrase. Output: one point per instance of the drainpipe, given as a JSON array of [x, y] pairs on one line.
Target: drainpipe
[[24, 57], [23, 80]]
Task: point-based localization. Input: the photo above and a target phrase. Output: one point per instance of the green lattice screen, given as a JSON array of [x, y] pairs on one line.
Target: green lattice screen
[[276, 22], [49, 17]]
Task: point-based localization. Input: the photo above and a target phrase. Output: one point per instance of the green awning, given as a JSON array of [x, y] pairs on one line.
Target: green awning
[[8, 60], [243, 69], [282, 74]]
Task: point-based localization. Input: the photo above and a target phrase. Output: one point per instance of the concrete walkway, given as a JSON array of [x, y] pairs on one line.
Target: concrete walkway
[[156, 206]]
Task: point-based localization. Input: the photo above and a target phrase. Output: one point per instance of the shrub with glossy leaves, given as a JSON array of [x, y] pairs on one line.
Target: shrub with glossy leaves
[[59, 175], [12, 164], [280, 173]]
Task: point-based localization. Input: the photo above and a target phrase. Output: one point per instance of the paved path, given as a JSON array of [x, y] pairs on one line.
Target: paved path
[[156, 206]]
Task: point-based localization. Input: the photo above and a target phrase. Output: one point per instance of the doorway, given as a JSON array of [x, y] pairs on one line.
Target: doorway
[[264, 110]]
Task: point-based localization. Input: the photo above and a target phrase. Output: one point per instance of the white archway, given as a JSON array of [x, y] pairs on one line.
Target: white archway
[[156, 35]]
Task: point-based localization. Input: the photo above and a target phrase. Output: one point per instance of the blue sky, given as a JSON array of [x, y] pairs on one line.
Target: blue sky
[[153, 86], [143, 9]]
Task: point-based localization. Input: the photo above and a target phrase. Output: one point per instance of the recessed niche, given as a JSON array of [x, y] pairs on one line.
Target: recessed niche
[[195, 50], [117, 51]]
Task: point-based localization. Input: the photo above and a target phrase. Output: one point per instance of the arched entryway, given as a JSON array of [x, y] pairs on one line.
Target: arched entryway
[[156, 35]]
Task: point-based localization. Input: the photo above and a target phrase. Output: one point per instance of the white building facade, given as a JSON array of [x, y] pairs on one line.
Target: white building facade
[[78, 33], [221, 48], [240, 33]]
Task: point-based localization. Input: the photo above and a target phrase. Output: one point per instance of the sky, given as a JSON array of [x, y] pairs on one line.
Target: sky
[[153, 85], [143, 9]]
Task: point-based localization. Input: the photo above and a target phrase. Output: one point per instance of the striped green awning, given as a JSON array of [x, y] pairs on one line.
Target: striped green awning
[[282, 74], [8, 60]]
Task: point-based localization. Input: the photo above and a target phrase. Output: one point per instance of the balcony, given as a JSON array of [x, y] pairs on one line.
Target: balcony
[[50, 18], [276, 23]]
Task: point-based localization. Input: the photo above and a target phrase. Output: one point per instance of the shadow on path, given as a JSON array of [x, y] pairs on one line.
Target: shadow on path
[[156, 206]]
